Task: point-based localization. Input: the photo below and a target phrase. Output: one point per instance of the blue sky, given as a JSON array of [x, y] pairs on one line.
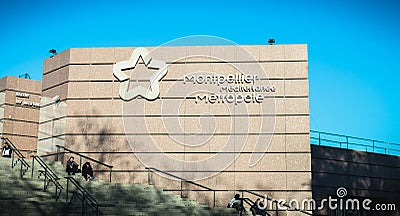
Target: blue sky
[[353, 45]]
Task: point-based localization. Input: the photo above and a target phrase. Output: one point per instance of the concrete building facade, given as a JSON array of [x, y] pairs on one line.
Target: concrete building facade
[[228, 117]]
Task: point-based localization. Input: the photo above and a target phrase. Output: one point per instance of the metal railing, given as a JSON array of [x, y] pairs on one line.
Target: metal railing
[[208, 189], [80, 158], [84, 196], [353, 143], [20, 157], [182, 180], [49, 176]]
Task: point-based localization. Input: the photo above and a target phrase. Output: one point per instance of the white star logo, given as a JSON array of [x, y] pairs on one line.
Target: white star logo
[[148, 93]]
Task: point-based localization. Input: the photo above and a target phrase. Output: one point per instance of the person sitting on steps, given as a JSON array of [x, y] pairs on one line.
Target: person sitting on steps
[[72, 166], [87, 171], [6, 150]]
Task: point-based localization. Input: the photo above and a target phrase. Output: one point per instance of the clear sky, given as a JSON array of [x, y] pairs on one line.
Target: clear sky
[[354, 47]]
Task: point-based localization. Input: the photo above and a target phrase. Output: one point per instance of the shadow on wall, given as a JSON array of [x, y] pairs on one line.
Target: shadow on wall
[[97, 136], [101, 141]]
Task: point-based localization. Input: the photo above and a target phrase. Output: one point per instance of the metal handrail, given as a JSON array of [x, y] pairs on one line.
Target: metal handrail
[[350, 142], [85, 196], [19, 155], [80, 158], [48, 173], [48, 155], [149, 169], [353, 137], [177, 177]]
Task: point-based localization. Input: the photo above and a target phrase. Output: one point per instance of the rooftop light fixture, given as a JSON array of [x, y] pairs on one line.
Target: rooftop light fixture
[[271, 41], [53, 52]]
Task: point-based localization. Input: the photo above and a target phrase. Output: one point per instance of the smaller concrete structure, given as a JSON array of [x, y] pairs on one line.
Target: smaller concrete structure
[[19, 111], [362, 175]]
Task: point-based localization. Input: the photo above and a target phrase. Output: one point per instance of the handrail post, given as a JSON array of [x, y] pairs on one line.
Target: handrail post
[[21, 170], [148, 176], [66, 194], [57, 151], [33, 166], [276, 206], [319, 138], [12, 159], [347, 141], [83, 203], [215, 199], [373, 145], [56, 192], [181, 189], [45, 178], [110, 173]]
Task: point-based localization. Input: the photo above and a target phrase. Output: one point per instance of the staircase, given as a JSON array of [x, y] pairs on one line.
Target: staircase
[[25, 196]]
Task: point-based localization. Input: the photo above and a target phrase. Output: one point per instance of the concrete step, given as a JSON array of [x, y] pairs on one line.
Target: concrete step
[[16, 207], [114, 199]]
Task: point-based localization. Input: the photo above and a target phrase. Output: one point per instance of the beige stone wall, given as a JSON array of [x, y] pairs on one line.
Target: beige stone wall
[[92, 112], [19, 122]]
